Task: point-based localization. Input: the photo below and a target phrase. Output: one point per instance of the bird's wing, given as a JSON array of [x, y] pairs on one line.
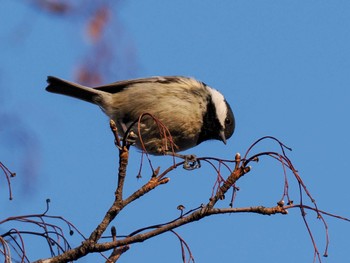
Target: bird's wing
[[118, 86]]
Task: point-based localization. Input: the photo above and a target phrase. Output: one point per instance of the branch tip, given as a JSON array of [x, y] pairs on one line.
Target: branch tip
[[113, 231], [247, 169], [164, 180], [280, 203], [180, 207], [238, 157], [156, 172], [237, 160]]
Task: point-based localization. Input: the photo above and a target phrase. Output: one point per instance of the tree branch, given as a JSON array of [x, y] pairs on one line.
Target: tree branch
[[119, 246]]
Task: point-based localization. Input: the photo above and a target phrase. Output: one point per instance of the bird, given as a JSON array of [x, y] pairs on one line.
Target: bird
[[191, 111]]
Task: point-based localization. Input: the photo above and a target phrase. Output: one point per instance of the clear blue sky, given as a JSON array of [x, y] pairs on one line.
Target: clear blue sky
[[284, 66]]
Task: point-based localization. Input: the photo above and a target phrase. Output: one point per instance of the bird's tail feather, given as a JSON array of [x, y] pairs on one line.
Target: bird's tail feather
[[64, 87]]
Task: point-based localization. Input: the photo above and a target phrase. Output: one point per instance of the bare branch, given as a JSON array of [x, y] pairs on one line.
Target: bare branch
[[222, 186]]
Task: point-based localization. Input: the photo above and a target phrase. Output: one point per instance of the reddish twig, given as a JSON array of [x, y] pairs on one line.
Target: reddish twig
[[8, 175], [183, 246], [51, 232]]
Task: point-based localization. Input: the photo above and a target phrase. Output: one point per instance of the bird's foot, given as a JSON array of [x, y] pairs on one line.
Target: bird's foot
[[190, 161], [130, 138]]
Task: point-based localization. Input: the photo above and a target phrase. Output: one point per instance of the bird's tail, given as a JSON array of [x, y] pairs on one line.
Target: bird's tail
[[71, 89]]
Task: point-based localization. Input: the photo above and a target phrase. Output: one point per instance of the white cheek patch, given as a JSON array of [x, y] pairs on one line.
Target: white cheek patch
[[220, 105]]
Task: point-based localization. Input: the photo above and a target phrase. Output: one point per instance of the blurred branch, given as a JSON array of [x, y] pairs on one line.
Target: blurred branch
[[57, 7], [110, 53]]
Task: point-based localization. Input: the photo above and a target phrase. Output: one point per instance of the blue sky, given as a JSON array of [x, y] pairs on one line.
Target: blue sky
[[284, 66]]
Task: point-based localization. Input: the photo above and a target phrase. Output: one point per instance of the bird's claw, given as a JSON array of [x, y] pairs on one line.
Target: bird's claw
[[191, 162], [130, 138]]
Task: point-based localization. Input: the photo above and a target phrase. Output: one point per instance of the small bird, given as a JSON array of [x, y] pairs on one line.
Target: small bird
[[191, 111]]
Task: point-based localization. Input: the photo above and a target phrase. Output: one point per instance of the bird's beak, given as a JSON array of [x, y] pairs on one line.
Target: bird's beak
[[223, 137]]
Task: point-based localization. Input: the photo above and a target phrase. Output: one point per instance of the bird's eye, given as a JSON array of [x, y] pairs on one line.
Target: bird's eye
[[227, 121]]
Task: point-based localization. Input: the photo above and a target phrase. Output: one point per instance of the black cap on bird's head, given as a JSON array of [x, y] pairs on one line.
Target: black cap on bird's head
[[229, 125], [218, 120]]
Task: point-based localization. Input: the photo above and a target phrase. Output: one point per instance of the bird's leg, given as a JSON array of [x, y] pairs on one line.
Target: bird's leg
[[191, 161], [129, 135]]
